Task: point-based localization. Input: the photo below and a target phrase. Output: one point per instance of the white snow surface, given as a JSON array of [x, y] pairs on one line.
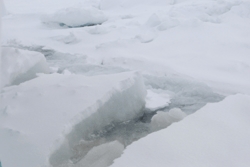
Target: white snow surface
[[216, 135], [49, 115], [21, 65]]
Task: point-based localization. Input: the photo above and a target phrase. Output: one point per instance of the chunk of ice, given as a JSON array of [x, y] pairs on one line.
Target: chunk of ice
[[76, 17], [19, 65], [76, 106], [156, 101]]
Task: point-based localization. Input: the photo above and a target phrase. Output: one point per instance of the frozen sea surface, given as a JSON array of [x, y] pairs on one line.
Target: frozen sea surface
[[188, 53]]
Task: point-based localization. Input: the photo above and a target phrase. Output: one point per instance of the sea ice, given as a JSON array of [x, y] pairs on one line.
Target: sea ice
[[192, 49]]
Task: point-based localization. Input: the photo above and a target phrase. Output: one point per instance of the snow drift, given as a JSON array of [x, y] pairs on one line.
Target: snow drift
[[216, 135], [19, 65], [53, 114]]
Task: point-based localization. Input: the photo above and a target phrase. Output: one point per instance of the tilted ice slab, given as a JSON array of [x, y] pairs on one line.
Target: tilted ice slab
[[216, 135], [49, 115], [20, 65]]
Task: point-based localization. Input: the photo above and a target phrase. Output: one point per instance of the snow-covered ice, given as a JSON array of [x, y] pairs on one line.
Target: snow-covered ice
[[18, 65], [53, 113], [216, 135], [189, 53], [76, 17]]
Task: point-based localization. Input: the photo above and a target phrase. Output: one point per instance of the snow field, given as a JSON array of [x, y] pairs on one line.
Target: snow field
[[63, 110], [216, 135]]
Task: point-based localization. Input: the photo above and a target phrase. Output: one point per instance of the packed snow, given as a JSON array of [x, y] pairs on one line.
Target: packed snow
[[71, 97]]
